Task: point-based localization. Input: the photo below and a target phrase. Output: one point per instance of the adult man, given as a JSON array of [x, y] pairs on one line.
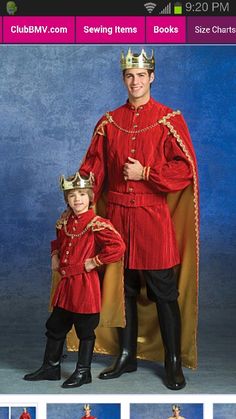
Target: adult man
[[25, 414], [87, 412], [176, 412], [141, 154]]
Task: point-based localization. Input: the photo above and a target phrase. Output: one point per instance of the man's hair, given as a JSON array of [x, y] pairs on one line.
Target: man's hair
[[175, 406], [148, 70], [88, 191]]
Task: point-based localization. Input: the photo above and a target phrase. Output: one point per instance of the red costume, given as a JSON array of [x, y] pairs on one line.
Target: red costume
[[158, 217], [139, 210], [25, 415], [79, 238]]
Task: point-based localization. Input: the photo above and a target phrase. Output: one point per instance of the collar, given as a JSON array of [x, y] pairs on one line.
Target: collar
[[146, 106]]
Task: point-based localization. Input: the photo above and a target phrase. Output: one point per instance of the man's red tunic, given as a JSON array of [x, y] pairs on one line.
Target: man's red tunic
[[138, 209]]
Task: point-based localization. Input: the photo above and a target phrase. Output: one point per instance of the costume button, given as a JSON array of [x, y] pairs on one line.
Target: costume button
[[141, 107], [131, 189], [76, 221], [63, 272], [132, 201], [133, 138], [67, 252], [133, 150], [137, 114], [74, 228], [135, 125], [65, 260], [70, 244]]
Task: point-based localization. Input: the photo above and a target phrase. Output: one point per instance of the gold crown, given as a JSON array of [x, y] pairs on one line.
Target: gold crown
[[87, 407], [76, 182], [137, 60]]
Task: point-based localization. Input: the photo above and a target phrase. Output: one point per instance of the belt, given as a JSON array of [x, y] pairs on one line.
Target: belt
[[71, 270], [135, 200]]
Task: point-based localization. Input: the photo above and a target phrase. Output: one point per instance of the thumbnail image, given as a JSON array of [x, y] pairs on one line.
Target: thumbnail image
[[23, 412], [4, 412], [224, 411], [82, 411], [167, 411]]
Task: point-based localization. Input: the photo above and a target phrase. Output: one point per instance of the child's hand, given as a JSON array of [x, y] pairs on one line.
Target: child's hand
[[55, 262], [89, 265]]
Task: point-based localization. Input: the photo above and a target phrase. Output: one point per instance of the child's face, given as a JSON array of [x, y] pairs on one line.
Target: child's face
[[78, 200]]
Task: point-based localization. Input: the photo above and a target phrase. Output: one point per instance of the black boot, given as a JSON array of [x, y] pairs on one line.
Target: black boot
[[170, 326], [82, 373], [126, 361], [51, 369]]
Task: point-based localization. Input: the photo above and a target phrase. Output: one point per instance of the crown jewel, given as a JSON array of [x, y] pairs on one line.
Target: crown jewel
[[137, 60], [76, 182]]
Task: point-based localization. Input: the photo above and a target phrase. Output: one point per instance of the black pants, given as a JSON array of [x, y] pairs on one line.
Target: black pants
[[161, 284], [61, 321]]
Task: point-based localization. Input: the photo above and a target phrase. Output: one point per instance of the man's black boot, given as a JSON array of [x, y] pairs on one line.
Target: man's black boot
[[50, 369], [126, 361], [170, 326], [82, 373]]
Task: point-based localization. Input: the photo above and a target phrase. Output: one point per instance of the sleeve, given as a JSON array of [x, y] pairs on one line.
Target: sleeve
[[110, 244], [174, 172], [95, 159]]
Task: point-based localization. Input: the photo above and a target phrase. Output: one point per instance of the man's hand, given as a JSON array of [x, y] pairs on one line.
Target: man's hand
[[133, 170], [55, 262], [89, 265]]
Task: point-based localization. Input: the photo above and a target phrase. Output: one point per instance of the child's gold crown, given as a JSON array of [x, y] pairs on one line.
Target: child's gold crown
[[76, 182]]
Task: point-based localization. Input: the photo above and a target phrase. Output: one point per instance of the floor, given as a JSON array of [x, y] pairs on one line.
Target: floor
[[22, 350]]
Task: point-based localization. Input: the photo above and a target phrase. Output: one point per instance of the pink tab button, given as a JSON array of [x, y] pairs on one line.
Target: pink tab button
[[0, 29], [39, 29], [110, 30], [166, 30]]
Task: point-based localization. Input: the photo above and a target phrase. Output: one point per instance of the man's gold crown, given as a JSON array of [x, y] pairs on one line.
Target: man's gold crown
[[137, 60], [76, 182], [87, 407]]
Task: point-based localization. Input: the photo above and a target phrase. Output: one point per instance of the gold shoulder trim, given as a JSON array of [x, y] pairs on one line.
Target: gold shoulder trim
[[63, 218], [168, 116], [100, 129], [98, 225], [179, 140]]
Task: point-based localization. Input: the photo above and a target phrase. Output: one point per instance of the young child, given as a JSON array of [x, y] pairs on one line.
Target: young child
[[84, 242]]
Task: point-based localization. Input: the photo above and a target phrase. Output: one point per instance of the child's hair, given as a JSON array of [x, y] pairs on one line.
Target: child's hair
[[88, 191]]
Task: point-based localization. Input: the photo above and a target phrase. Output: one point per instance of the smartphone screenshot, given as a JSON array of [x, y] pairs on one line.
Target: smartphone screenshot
[[117, 148]]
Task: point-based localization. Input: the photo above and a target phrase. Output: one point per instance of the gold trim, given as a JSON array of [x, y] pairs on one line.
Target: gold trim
[[195, 191]]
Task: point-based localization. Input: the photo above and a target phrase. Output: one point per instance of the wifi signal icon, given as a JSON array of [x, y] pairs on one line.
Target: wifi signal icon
[[150, 6]]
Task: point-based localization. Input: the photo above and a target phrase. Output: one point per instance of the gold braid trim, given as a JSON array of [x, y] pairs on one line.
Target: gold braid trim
[[111, 120], [195, 183], [63, 218], [100, 129], [101, 225]]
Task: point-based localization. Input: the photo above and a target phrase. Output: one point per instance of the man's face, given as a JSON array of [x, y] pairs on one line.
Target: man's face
[[137, 82], [176, 412], [87, 413]]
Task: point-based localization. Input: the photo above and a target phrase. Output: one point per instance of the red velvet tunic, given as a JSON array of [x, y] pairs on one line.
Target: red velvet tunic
[[138, 209], [79, 291], [25, 415]]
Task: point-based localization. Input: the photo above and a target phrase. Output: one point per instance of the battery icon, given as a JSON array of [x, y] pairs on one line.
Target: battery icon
[[178, 8]]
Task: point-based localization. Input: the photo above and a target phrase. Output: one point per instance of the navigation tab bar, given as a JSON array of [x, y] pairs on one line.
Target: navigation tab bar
[[118, 30]]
